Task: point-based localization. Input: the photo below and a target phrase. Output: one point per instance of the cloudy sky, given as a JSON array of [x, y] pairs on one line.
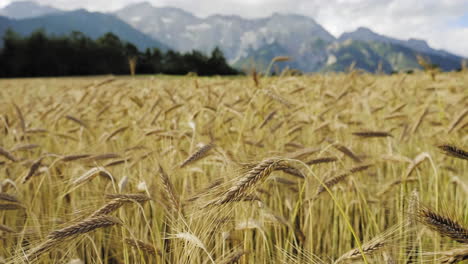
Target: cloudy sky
[[443, 23]]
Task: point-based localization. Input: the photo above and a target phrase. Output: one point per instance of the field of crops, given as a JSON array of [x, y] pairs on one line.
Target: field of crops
[[338, 168]]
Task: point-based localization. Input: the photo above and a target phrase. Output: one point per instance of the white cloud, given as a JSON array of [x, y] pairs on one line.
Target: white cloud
[[424, 19]]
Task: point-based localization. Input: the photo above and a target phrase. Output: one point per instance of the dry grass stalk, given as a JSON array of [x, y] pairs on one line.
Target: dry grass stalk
[[118, 200], [7, 154], [32, 170], [454, 151], [169, 189], [249, 181], [444, 225], [457, 120], [198, 155], [369, 134], [143, 246], [321, 160]]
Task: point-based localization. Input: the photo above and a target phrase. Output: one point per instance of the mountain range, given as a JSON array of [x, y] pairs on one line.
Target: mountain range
[[245, 42]]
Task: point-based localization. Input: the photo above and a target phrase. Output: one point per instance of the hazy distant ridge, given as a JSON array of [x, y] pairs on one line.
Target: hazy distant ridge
[[243, 41]]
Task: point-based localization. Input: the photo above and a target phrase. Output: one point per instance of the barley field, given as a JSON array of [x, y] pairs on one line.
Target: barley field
[[335, 168]]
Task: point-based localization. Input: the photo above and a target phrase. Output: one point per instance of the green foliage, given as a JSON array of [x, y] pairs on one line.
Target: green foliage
[[76, 54]]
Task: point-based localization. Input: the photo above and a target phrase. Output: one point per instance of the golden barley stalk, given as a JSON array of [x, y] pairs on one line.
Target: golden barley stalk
[[457, 120], [32, 170], [368, 134], [368, 249], [76, 120], [8, 155], [253, 177], [348, 152], [292, 171], [419, 121], [145, 247], [443, 224], [337, 179], [104, 156], [87, 175], [375, 245], [57, 237], [278, 98], [21, 117], [6, 229], [234, 257], [25, 147], [118, 200], [417, 160], [136, 197], [198, 155], [8, 198], [10, 206], [452, 256], [321, 160], [74, 157], [84, 226], [116, 132], [169, 190], [268, 118], [454, 151]]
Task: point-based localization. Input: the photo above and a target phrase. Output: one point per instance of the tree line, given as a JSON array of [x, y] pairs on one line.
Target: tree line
[[75, 54]]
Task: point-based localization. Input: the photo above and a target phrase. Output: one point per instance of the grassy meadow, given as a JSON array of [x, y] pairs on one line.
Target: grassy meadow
[[332, 168]]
